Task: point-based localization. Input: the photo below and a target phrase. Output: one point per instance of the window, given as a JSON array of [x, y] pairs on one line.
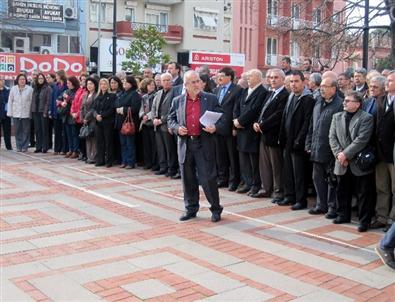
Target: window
[[164, 19], [130, 15], [295, 52], [74, 45], [46, 40], [63, 44], [161, 20], [152, 19], [316, 17], [205, 21], [295, 15], [271, 52], [272, 12], [106, 12]]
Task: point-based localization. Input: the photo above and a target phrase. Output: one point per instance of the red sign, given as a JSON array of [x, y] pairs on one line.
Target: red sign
[[214, 69], [201, 57], [11, 64]]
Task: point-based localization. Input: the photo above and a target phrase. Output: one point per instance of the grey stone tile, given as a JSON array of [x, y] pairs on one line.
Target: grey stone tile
[[10, 293], [60, 288], [91, 256], [17, 219], [14, 247], [24, 269], [156, 260], [186, 269], [64, 226], [118, 229], [103, 271], [14, 234], [60, 239], [286, 216], [244, 293], [216, 282], [323, 296], [148, 289], [342, 235]]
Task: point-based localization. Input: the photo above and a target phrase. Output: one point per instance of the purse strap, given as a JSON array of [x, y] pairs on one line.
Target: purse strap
[[129, 115]]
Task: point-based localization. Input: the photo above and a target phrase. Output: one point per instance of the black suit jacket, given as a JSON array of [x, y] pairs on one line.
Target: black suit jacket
[[294, 138], [385, 131], [270, 117], [247, 112], [179, 81], [177, 119], [228, 105]]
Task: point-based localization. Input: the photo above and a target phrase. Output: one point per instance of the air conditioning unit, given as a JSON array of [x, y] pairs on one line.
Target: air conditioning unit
[[5, 49], [21, 44], [46, 50], [70, 13]]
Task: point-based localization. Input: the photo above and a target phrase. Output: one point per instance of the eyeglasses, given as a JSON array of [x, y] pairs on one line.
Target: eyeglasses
[[350, 101]]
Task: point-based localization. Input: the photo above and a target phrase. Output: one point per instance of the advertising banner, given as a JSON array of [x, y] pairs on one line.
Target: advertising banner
[[11, 64], [216, 61], [28, 10], [105, 54]]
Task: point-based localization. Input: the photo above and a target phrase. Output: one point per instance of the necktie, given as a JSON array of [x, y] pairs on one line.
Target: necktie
[[222, 94], [390, 100]]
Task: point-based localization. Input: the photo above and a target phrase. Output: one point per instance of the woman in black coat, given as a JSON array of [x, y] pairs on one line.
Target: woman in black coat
[[104, 112], [130, 99], [42, 94]]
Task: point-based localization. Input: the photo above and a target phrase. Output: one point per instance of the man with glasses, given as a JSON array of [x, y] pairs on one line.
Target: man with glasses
[[350, 133], [196, 145]]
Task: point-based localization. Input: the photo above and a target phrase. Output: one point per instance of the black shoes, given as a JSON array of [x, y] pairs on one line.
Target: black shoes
[[316, 211], [160, 172], [277, 199], [330, 215], [187, 216], [340, 220], [99, 164], [298, 206], [285, 202], [260, 194], [242, 190], [222, 184], [37, 151], [176, 176], [378, 225], [363, 228], [215, 217], [232, 188]]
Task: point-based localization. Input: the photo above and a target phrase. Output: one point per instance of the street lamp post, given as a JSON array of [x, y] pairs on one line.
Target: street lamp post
[[365, 54], [114, 40]]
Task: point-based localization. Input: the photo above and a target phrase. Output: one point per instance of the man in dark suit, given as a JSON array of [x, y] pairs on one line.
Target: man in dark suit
[[270, 152], [385, 169], [317, 145], [196, 145], [174, 69], [245, 114], [350, 133], [294, 127], [226, 145], [166, 145], [360, 81]]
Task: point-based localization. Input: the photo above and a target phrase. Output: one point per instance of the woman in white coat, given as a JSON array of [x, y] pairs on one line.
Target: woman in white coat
[[19, 108]]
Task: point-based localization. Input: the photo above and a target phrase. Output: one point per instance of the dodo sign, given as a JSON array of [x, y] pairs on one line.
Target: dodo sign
[[11, 64]]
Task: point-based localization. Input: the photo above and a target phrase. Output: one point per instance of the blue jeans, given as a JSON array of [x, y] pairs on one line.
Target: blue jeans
[[388, 242], [72, 137], [128, 149]]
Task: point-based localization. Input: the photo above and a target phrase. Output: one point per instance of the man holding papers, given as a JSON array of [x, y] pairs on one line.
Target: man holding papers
[[196, 144]]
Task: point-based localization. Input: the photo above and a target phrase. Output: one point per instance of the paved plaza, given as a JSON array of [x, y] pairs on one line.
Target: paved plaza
[[74, 232]]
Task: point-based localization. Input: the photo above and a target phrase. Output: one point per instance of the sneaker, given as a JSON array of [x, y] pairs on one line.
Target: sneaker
[[386, 256]]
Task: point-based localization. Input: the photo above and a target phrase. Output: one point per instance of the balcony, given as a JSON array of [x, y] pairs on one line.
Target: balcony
[[278, 22], [271, 60], [172, 33]]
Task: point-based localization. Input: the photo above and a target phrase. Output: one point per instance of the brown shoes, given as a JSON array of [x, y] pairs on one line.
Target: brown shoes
[[74, 155]]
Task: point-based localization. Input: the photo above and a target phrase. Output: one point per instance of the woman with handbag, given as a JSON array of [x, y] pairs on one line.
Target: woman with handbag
[[116, 87], [42, 94], [103, 112], [128, 105], [88, 119]]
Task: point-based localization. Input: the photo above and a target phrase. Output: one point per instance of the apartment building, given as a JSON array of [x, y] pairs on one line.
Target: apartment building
[[186, 25], [263, 30], [42, 26]]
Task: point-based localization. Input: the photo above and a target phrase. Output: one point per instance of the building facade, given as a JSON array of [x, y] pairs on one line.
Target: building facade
[[186, 25], [38, 26], [266, 30]]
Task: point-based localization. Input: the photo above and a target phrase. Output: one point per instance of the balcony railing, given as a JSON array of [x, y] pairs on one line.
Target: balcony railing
[[172, 33], [159, 27], [271, 60]]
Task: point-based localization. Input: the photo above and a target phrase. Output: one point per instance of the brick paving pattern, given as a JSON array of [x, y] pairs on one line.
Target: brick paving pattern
[[73, 232]]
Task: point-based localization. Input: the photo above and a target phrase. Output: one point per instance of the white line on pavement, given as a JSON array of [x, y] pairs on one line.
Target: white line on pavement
[[296, 231], [98, 194]]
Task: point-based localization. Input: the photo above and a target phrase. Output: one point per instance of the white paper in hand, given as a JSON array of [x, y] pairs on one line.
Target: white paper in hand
[[209, 118]]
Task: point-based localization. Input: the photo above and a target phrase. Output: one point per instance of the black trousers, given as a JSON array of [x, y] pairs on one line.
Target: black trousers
[[161, 149], [41, 131], [149, 146], [32, 133], [104, 143], [170, 149], [227, 159], [50, 133], [198, 165], [362, 187], [294, 173], [249, 169], [5, 124]]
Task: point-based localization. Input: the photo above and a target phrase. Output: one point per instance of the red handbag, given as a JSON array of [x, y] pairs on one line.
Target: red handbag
[[128, 127]]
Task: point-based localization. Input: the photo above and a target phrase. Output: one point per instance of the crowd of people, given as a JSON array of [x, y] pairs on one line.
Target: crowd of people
[[280, 134]]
